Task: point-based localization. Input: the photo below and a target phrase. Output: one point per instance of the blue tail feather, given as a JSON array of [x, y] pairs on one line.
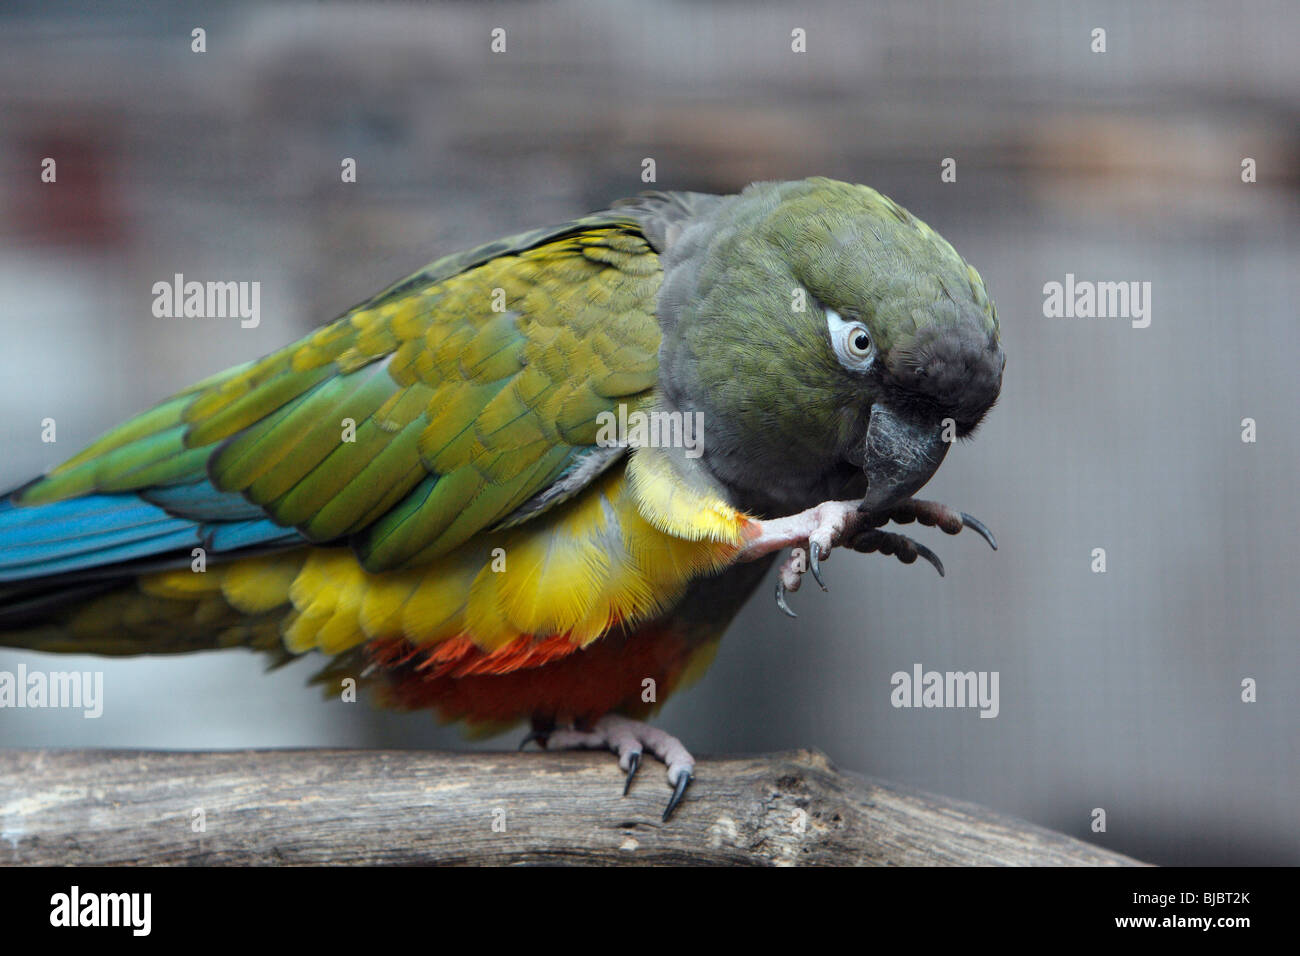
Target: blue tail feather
[[98, 531]]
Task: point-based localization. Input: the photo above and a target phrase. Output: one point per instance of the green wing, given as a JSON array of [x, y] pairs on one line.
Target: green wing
[[461, 398]]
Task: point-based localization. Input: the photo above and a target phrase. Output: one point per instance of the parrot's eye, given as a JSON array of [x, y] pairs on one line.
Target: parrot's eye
[[851, 341]]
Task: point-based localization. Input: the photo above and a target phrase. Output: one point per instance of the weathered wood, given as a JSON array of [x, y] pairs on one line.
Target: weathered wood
[[411, 807]]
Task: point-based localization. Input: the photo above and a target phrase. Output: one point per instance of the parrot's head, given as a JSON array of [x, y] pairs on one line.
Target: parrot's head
[[833, 342]]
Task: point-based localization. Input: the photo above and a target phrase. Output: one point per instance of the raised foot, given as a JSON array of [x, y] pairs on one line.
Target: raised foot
[[629, 739], [841, 524]]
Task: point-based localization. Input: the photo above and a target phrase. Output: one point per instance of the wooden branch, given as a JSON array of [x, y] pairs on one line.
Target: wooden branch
[[412, 807]]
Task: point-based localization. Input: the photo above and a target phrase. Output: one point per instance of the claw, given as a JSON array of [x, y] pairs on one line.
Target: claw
[[780, 599], [814, 564], [539, 736], [924, 552], [978, 527], [634, 762], [683, 781]]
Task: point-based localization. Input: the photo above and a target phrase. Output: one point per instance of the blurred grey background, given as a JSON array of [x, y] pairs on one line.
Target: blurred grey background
[[1118, 690]]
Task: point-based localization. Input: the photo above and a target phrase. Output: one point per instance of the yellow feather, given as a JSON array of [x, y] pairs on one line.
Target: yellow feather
[[433, 611], [179, 584], [383, 602], [484, 621], [678, 507], [257, 585]]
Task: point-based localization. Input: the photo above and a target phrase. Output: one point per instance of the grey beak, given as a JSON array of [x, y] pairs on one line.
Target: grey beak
[[900, 456]]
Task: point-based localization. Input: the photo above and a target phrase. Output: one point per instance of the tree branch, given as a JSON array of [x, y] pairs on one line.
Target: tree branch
[[412, 807]]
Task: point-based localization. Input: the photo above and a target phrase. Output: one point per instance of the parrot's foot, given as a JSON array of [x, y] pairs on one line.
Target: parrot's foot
[[841, 524], [628, 739], [820, 528]]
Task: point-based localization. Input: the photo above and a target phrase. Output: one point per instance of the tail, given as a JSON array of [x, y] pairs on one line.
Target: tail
[[71, 570]]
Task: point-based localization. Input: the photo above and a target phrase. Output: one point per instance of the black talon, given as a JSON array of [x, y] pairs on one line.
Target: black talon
[[540, 736], [814, 564], [683, 781], [635, 762], [978, 527], [780, 598], [924, 552]]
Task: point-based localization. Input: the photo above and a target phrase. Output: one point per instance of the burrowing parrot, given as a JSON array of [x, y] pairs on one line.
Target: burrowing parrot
[[446, 490]]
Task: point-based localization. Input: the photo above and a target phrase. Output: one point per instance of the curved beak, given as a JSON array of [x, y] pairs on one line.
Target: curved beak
[[901, 455]]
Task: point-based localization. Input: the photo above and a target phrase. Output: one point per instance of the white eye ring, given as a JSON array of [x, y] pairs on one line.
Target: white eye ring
[[852, 341]]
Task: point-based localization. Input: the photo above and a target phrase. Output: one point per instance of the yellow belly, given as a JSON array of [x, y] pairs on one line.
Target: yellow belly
[[579, 569]]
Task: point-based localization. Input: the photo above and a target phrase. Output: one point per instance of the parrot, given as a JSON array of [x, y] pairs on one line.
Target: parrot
[[483, 491]]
